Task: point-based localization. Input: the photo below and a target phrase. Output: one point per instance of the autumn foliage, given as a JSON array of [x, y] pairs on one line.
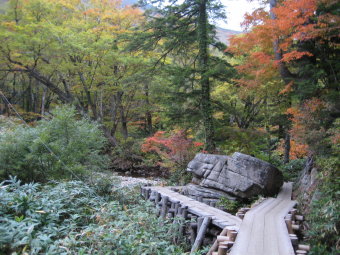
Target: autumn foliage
[[297, 150], [174, 149], [291, 22], [310, 124]]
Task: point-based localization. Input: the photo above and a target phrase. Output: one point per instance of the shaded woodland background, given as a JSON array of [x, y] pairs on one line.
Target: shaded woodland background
[[148, 88]]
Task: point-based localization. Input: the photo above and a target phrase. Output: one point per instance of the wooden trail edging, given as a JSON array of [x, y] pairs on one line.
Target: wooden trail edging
[[173, 204], [219, 218], [268, 228]]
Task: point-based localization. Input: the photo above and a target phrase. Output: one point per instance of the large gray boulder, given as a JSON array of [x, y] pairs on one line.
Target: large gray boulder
[[238, 176]]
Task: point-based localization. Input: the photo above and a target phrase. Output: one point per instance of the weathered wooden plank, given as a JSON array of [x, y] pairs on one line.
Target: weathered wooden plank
[[263, 230], [164, 206], [220, 218]]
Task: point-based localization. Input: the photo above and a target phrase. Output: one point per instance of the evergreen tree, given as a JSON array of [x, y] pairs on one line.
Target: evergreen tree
[[176, 27]]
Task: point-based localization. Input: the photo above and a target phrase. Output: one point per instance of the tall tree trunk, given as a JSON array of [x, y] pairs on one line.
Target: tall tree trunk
[[116, 101], [148, 115], [90, 101], [287, 148], [285, 75], [108, 134], [34, 101], [43, 102], [101, 111], [283, 70], [123, 122], [29, 96], [204, 80]]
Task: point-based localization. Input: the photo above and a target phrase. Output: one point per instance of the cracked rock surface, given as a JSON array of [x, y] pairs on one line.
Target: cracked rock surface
[[237, 176]]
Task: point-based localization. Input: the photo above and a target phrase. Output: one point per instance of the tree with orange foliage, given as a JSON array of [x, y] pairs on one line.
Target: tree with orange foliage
[[295, 42]]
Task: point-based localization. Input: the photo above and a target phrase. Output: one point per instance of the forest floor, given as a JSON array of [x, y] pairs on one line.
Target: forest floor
[[126, 181], [129, 181]]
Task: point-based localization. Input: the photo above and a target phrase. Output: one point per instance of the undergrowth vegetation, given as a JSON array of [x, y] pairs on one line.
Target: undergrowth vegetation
[[324, 218], [61, 147], [71, 218]]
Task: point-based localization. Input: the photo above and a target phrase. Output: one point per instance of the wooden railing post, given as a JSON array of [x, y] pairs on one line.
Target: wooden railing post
[[201, 234]]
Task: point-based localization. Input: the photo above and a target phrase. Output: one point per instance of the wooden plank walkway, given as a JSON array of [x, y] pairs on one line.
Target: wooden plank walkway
[[219, 218], [263, 230]]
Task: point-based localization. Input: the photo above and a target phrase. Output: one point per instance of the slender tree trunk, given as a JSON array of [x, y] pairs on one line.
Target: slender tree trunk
[[114, 110], [29, 96], [101, 112], [284, 72], [148, 115], [16, 16], [90, 101], [108, 134], [287, 148], [43, 101], [123, 122], [285, 75], [204, 81], [34, 101]]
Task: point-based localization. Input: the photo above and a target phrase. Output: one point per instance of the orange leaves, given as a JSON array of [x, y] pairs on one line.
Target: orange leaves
[[297, 150], [198, 144], [263, 58], [294, 55], [293, 22], [308, 121], [292, 14], [258, 69], [255, 19], [110, 16], [288, 88], [175, 148]]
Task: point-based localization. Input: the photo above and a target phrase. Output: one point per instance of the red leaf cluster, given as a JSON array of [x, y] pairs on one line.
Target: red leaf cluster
[[176, 147]]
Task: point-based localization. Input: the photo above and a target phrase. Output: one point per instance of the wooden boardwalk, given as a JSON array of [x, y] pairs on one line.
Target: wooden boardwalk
[[263, 230], [219, 218]]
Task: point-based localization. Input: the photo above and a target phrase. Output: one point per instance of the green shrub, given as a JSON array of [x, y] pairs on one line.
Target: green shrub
[[324, 218], [179, 177], [70, 218], [58, 148], [230, 206], [292, 169]]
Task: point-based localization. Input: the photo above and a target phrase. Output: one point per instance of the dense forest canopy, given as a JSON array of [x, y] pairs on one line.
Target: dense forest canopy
[[157, 82]]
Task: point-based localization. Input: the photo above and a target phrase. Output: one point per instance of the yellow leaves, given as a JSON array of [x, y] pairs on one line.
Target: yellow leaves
[[18, 67], [10, 25], [68, 4], [218, 115]]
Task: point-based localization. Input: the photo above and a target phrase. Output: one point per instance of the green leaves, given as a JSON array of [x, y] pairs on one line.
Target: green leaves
[[69, 218], [56, 148]]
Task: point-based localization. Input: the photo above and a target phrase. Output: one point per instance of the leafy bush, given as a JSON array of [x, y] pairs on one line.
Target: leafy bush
[[180, 177], [230, 206], [70, 218], [75, 147], [292, 169], [324, 218]]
